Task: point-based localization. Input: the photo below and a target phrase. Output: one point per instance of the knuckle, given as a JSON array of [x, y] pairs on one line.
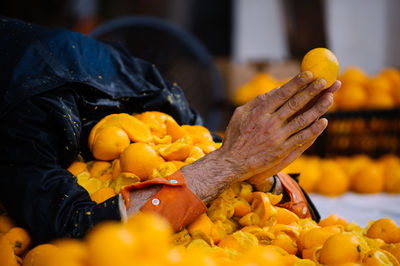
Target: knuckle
[[301, 121], [300, 138], [261, 97], [293, 104], [283, 95]]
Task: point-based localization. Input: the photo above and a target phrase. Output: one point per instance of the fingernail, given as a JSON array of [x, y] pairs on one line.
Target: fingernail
[[305, 76], [320, 84]]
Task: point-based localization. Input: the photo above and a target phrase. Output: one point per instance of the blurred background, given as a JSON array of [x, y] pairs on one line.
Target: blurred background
[[224, 53]]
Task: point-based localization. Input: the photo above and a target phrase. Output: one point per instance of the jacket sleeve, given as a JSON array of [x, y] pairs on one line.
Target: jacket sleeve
[[40, 138]]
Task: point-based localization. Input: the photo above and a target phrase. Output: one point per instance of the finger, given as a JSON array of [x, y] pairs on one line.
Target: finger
[[308, 134], [331, 89], [291, 157], [278, 96], [335, 86], [298, 101], [305, 119]]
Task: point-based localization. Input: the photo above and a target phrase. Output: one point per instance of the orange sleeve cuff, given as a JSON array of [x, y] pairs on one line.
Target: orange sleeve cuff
[[174, 201]]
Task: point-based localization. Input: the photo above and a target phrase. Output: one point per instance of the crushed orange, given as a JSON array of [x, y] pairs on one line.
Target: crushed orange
[[77, 167], [103, 194]]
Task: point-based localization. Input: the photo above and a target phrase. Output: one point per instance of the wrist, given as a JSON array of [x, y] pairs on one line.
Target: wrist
[[210, 175]]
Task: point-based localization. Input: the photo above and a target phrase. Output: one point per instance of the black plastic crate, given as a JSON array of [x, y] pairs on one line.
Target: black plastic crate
[[370, 132]]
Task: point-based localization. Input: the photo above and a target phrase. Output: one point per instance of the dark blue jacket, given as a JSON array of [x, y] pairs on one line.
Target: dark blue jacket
[[55, 85]]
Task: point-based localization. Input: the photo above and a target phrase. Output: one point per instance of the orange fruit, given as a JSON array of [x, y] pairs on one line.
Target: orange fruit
[[332, 219], [105, 177], [379, 84], [103, 194], [262, 207], [19, 239], [385, 229], [250, 219], [240, 241], [73, 252], [140, 159], [207, 147], [392, 175], [241, 207], [351, 96], [378, 257], [116, 168], [394, 249], [175, 130], [99, 168], [124, 179], [263, 255], [333, 180], [370, 179], [205, 226], [285, 216], [286, 242], [175, 151], [353, 74], [322, 63], [136, 130], [7, 256], [340, 248], [310, 174], [77, 167], [42, 255], [178, 164], [110, 243], [91, 184], [380, 100], [156, 122], [6, 223], [109, 143], [315, 237], [198, 133]]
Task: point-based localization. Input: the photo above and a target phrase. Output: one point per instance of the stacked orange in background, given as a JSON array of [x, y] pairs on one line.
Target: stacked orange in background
[[358, 91], [335, 176], [362, 91]]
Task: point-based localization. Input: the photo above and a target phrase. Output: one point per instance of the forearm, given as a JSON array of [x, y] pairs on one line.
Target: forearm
[[210, 175], [206, 178]]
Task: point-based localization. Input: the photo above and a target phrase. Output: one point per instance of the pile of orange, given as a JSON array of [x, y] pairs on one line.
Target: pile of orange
[[242, 227], [362, 91], [135, 148], [358, 173]]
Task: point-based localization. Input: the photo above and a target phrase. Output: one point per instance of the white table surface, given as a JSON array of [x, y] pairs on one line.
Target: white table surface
[[359, 208]]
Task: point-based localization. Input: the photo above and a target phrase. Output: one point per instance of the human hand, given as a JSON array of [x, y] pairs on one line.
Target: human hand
[[264, 136], [271, 131]]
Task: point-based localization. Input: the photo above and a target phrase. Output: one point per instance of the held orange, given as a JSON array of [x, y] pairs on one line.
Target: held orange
[[322, 63]]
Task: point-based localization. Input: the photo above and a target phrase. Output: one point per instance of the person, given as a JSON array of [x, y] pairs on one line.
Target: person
[[56, 84]]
